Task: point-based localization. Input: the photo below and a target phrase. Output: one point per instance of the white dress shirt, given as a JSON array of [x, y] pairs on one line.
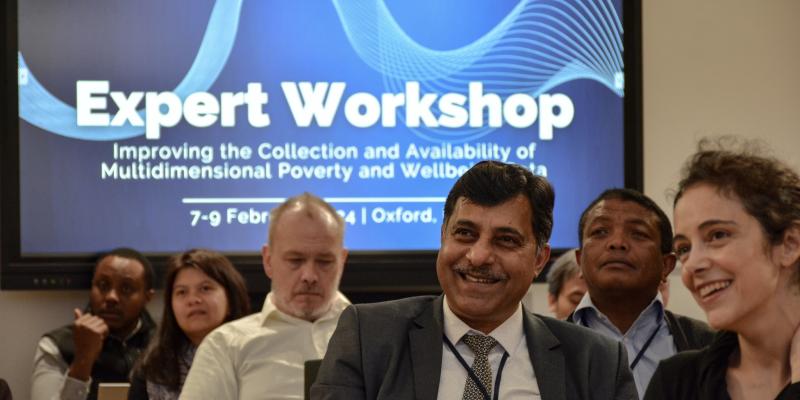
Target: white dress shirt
[[518, 380], [49, 380], [260, 356]]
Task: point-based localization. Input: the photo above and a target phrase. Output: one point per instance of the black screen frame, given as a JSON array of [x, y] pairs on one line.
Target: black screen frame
[[382, 274]]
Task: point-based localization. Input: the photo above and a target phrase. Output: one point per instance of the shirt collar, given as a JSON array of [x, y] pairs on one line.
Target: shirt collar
[[270, 311], [586, 310], [508, 334]]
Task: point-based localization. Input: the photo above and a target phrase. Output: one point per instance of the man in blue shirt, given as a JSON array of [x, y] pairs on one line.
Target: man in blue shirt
[[625, 254]]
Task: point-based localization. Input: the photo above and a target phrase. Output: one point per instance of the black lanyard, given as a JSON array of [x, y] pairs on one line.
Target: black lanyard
[[474, 377], [646, 345]]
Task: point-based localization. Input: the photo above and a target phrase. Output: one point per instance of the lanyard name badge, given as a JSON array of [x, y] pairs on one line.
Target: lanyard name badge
[[474, 377]]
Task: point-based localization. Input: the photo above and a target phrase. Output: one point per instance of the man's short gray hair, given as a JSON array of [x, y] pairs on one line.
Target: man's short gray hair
[[563, 268], [311, 204]]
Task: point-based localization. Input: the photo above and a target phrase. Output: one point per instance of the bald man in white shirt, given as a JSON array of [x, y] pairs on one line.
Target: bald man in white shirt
[[262, 356]]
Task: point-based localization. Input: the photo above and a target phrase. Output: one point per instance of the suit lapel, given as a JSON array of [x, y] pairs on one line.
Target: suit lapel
[[425, 340], [546, 357]]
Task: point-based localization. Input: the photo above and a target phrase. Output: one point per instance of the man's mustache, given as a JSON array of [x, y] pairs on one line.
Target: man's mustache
[[482, 272]]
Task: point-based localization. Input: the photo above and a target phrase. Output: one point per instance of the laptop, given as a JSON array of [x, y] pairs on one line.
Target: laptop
[[113, 391]]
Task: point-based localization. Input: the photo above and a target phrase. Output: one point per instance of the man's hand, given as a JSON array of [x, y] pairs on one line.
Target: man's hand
[[89, 332]]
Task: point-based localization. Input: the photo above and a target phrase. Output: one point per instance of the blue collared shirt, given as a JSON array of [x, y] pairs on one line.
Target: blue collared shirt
[[662, 346]]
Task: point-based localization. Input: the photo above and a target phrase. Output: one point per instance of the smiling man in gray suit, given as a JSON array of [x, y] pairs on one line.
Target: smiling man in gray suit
[[476, 341]]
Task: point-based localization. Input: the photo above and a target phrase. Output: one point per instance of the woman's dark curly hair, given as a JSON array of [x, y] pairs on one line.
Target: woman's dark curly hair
[[768, 189]]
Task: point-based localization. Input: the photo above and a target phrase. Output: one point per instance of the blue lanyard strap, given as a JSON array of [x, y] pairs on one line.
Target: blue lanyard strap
[[646, 345], [474, 377]]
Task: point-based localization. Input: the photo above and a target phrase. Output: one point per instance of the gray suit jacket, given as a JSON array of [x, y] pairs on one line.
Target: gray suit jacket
[[393, 350]]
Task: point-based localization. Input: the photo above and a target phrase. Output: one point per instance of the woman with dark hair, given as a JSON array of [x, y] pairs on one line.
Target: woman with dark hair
[[202, 291], [737, 235]]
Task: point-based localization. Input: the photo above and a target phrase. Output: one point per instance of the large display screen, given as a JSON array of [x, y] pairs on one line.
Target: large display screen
[[166, 125]]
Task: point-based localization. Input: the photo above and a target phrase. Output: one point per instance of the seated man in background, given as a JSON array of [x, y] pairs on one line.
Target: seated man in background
[[565, 286], [262, 356], [105, 340], [626, 255], [494, 241]]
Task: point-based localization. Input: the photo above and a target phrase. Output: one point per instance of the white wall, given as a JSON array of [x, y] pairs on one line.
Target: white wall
[[711, 67], [718, 67]]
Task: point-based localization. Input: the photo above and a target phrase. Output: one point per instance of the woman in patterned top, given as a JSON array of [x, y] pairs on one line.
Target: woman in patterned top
[[202, 291]]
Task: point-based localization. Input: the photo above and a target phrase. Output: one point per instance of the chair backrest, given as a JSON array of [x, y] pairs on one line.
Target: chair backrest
[[311, 368]]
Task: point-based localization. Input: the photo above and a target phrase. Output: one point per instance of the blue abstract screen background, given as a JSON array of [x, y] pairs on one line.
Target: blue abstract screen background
[[540, 47]]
